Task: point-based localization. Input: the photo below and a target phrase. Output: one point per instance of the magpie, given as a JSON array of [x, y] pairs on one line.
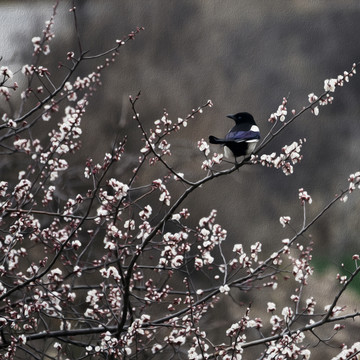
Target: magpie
[[241, 140]]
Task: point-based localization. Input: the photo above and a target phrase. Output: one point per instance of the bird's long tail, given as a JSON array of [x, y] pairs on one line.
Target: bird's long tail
[[215, 140]]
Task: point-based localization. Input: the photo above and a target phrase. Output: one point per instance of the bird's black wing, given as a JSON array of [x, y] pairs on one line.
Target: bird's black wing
[[240, 136]]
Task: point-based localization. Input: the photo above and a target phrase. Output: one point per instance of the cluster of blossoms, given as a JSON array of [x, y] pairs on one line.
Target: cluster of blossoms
[[41, 44], [330, 87], [280, 114], [304, 197], [165, 196], [314, 100], [288, 348], [354, 181], [207, 164], [55, 239], [237, 334], [244, 260], [302, 269], [210, 235], [187, 328], [348, 353], [6, 74], [290, 156], [175, 247], [155, 142]]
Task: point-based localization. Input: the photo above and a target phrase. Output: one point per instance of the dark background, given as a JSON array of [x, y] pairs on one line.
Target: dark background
[[244, 56]]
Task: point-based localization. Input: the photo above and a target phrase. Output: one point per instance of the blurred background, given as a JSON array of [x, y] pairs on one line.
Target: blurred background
[[244, 56]]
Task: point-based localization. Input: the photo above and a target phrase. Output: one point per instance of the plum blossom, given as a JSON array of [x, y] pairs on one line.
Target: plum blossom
[[204, 147], [271, 307], [145, 213], [6, 73], [304, 197], [22, 189], [164, 193], [224, 289], [330, 85], [287, 313], [354, 181], [284, 220], [290, 156]]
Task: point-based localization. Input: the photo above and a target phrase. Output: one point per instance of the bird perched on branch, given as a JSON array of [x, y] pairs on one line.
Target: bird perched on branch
[[241, 140]]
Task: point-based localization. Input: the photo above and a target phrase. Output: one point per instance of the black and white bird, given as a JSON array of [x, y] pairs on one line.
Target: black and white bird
[[241, 140]]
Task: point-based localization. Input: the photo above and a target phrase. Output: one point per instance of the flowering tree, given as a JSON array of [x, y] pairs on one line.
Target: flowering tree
[[117, 271]]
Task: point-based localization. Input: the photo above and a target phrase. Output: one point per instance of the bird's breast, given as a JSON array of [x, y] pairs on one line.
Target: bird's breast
[[251, 146]]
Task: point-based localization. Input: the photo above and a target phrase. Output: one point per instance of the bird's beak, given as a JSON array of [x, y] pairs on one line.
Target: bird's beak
[[230, 116]]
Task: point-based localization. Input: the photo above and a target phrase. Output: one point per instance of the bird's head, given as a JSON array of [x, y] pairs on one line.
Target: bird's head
[[242, 117]]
